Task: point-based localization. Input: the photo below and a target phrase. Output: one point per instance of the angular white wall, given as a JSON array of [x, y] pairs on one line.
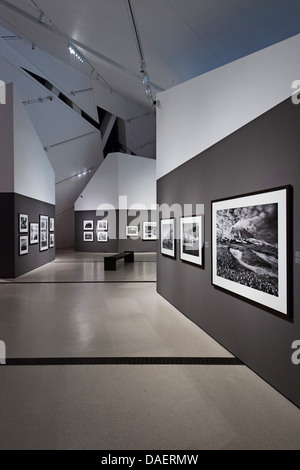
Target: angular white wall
[[121, 175], [33, 174], [199, 113], [24, 165]]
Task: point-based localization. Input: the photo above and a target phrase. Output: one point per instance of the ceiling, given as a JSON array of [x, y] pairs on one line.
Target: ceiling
[[177, 39]]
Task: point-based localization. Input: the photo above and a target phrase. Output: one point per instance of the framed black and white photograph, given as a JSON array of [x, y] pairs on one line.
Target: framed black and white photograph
[[88, 225], [102, 237], [102, 225], [149, 231], [51, 240], [43, 240], [88, 236], [192, 239], [34, 234], [23, 223], [132, 231], [44, 219], [250, 247], [167, 237], [23, 245], [51, 224]]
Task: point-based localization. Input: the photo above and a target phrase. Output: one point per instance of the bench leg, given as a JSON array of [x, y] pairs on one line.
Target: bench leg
[[129, 258], [110, 264]]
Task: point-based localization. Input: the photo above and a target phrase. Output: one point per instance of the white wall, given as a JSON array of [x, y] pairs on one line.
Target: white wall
[[103, 187], [33, 174], [121, 175], [199, 113], [6, 143], [137, 181]]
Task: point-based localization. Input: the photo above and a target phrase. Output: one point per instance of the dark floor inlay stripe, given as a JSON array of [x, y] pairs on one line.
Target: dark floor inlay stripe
[[81, 361]]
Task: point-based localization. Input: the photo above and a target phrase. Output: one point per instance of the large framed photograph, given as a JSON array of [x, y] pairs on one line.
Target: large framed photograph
[[102, 225], [167, 237], [88, 236], [250, 247], [23, 223], [34, 234], [192, 239], [132, 231], [88, 225], [23, 245], [102, 237], [149, 231]]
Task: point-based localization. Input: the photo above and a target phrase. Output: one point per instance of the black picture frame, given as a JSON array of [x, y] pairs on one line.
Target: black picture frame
[[149, 231], [44, 235], [34, 234], [51, 240], [23, 245], [192, 240], [252, 248], [168, 237], [23, 223]]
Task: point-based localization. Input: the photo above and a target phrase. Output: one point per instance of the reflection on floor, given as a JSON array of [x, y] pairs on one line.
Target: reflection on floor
[[72, 309]]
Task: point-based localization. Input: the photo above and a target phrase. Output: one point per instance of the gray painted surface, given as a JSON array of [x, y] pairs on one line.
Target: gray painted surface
[[12, 264], [262, 155], [116, 226], [7, 234]]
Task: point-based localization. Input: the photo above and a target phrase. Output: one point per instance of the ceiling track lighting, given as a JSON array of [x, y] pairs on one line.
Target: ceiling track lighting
[[73, 51], [146, 82], [84, 173]]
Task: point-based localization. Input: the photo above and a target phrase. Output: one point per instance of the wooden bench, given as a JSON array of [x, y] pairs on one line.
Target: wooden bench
[[110, 262]]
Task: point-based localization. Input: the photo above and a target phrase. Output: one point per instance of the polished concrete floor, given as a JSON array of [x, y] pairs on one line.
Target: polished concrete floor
[[72, 309]]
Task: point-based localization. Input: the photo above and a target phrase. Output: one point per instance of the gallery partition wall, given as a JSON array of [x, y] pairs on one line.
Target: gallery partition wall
[[249, 186]]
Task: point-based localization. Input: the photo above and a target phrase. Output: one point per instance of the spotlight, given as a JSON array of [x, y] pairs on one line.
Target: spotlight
[[145, 78], [74, 52]]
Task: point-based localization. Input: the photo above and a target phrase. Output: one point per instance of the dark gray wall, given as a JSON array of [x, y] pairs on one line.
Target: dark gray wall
[[7, 235], [262, 155], [11, 263], [117, 225]]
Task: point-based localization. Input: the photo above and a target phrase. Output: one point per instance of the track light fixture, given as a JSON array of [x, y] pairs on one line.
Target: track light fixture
[[145, 78], [73, 51], [84, 173]]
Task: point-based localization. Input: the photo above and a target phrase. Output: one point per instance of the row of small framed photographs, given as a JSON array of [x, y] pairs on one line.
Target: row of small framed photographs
[[191, 239], [102, 225], [37, 233], [102, 237], [44, 221], [149, 231]]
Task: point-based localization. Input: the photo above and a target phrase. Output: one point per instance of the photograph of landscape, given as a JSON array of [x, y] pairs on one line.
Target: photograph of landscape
[[247, 246]]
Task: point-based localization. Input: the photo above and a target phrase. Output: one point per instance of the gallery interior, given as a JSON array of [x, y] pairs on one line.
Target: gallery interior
[[150, 208]]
